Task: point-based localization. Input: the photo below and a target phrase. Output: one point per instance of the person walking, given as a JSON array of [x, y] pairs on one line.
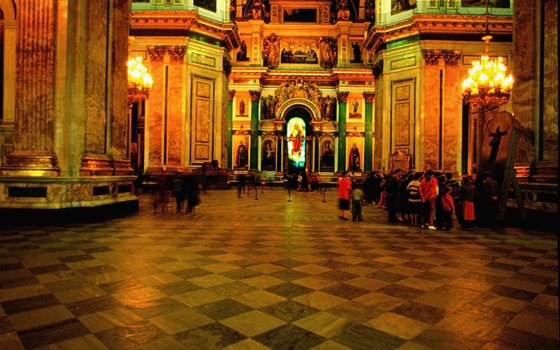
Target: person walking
[[344, 190]]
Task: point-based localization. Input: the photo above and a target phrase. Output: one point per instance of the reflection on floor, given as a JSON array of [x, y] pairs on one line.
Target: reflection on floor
[[263, 272]]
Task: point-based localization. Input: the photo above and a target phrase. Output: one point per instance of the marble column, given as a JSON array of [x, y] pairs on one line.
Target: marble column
[[255, 99], [342, 100], [432, 109], [368, 146], [33, 153], [231, 95], [452, 113]]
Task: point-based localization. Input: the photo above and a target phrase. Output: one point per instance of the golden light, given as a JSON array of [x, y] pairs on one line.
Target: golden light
[[139, 80], [488, 83]]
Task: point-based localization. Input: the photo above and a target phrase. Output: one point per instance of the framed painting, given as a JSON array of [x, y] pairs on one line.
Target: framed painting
[[299, 51]]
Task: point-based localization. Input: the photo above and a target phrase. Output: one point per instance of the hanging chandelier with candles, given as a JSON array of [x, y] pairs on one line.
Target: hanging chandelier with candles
[[139, 80], [488, 83]]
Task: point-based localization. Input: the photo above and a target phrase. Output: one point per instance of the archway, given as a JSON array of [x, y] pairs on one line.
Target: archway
[[298, 139]]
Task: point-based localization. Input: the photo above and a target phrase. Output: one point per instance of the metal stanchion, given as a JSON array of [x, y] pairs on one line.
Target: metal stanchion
[[289, 193], [324, 190]]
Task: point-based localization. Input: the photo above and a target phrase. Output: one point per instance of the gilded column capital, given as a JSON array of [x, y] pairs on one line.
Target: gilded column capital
[[255, 95], [156, 53], [451, 57], [431, 57], [176, 53], [343, 96], [369, 97], [230, 95]]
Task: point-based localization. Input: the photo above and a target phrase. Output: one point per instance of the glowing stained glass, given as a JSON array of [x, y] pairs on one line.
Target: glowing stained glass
[[296, 141]]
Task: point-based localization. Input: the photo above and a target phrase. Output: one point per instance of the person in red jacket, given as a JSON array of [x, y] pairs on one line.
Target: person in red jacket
[[428, 192], [448, 208], [344, 190]]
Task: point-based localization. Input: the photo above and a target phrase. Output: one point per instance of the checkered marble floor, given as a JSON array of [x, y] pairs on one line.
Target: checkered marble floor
[[273, 270]]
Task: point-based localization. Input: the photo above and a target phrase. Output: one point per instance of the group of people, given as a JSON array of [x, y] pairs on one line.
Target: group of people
[[427, 199], [185, 189]]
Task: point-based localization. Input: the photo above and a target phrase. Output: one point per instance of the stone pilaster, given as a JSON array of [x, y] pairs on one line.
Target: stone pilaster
[[231, 96], [255, 98], [369, 97], [342, 99]]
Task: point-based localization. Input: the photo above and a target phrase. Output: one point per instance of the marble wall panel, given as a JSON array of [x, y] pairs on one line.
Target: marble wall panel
[[430, 146], [174, 114], [155, 116], [452, 116], [550, 93]]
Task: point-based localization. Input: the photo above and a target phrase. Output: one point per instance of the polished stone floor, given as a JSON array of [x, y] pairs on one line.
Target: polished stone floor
[[267, 273]]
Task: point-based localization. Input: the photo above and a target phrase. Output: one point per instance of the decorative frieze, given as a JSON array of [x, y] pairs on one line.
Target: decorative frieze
[[176, 53]]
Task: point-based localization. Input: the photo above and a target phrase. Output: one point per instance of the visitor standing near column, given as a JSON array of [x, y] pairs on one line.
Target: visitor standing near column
[[489, 200], [357, 198], [448, 208], [428, 192], [455, 194], [344, 190], [414, 199], [468, 191]]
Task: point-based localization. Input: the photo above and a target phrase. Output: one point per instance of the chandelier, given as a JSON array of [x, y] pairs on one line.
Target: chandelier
[[139, 80], [488, 84]]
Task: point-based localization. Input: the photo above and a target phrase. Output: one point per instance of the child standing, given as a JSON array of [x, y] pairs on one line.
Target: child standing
[[448, 208], [357, 197]]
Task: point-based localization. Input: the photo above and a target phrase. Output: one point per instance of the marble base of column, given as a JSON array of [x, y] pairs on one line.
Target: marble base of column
[[30, 163], [96, 166]]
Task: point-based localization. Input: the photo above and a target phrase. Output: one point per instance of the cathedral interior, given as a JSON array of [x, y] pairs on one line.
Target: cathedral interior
[[266, 89]]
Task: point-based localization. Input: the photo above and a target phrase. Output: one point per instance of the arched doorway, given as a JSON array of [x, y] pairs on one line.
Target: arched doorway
[[298, 140]]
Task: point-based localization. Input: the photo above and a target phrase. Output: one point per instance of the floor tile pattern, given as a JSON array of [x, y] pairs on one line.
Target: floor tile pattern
[[273, 270]]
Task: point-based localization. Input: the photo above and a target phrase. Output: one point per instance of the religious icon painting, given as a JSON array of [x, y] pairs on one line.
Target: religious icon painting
[[327, 155], [355, 152], [241, 151], [268, 155]]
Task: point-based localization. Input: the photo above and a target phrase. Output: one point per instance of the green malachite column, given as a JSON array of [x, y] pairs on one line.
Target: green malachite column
[[231, 95], [368, 147], [254, 155], [342, 99]]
